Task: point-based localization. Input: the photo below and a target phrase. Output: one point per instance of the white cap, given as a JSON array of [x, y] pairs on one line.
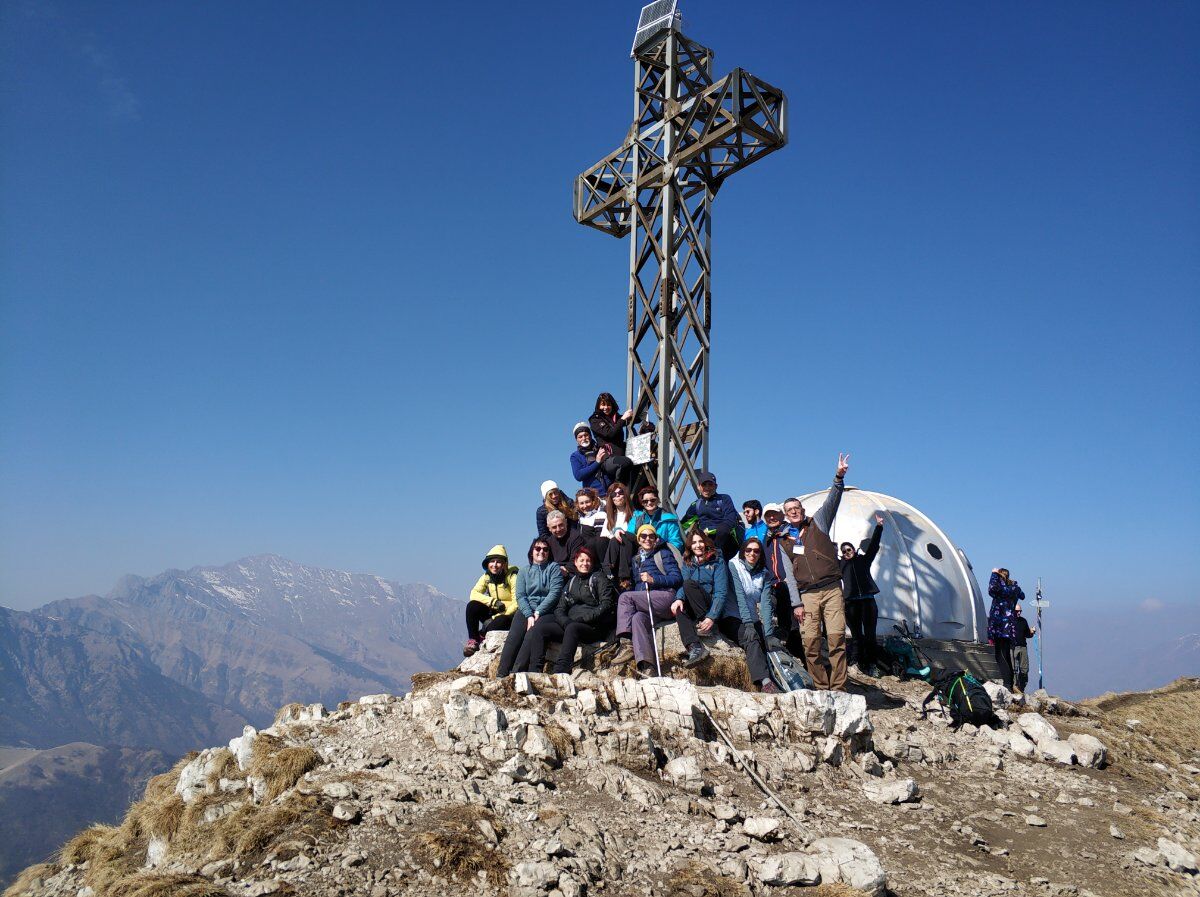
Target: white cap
[[582, 425], [547, 486], [772, 506]]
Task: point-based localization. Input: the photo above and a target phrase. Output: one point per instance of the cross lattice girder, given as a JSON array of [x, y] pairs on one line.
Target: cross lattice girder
[[689, 133]]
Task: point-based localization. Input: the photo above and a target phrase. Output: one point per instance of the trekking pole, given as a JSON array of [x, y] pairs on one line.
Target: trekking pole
[[1038, 604], [653, 637]]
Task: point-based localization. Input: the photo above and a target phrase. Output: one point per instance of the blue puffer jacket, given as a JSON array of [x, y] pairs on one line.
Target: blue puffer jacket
[[1002, 617], [713, 577], [755, 594], [538, 588], [667, 578]]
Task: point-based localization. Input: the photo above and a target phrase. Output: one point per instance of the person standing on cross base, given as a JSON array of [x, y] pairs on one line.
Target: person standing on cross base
[[715, 513], [1002, 620], [859, 590], [1024, 632], [818, 575]]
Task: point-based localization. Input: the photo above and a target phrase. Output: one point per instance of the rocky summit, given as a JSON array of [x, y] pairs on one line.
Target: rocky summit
[[593, 783]]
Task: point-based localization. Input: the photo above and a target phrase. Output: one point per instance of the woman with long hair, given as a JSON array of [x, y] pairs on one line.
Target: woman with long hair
[[554, 499], [618, 543], [608, 425], [704, 606]]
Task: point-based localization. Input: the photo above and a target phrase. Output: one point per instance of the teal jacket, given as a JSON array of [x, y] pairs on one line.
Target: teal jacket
[[665, 524], [539, 587], [713, 577]]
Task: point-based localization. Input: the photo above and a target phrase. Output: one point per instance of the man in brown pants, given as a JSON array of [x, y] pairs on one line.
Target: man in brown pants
[[818, 574]]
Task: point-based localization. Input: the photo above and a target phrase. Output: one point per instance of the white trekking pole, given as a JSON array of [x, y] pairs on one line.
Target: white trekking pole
[[653, 637]]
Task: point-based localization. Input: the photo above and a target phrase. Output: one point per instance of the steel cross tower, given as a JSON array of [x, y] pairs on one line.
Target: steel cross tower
[[689, 134]]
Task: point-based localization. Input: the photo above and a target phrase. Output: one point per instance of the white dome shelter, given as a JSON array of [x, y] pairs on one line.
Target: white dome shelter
[[923, 577]]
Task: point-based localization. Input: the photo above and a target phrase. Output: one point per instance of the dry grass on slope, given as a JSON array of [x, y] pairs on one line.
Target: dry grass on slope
[[452, 846], [280, 767], [30, 879], [1169, 720]]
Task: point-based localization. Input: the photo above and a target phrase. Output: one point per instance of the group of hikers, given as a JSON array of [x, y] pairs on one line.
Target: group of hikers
[[612, 563]]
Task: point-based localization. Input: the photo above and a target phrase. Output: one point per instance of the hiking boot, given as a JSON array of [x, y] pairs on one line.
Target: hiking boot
[[624, 654], [645, 669], [470, 647], [770, 688], [695, 654]]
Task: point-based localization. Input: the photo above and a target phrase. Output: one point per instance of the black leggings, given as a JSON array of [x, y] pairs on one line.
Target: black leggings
[[748, 635], [480, 620], [1004, 657], [548, 629], [862, 615], [512, 646]]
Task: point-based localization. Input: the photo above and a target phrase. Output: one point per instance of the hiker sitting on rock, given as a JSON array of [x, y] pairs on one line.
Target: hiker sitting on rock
[[619, 543], [563, 540], [554, 499], [584, 613], [859, 590], [656, 578], [493, 600], [704, 605], [665, 523], [596, 466], [539, 587], [591, 518]]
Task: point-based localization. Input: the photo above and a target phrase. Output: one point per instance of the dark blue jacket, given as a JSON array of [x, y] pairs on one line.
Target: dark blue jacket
[[713, 577], [587, 471], [668, 577], [1002, 616], [717, 514]]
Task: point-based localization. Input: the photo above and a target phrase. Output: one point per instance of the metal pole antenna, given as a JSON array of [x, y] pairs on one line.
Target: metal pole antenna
[[689, 134], [1039, 604]]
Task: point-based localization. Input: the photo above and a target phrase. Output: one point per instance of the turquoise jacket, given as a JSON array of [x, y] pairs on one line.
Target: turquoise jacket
[[713, 577], [665, 524], [538, 588]]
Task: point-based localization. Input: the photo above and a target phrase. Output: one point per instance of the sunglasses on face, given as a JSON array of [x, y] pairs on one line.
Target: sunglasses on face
[[647, 536], [753, 551], [540, 549]]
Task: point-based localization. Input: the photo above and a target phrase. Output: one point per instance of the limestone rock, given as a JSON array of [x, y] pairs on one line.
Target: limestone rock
[[894, 791], [1019, 744], [534, 876], [1059, 751], [1089, 750], [1001, 696], [1178, 858], [792, 868], [850, 862], [684, 772], [762, 828], [1036, 727]]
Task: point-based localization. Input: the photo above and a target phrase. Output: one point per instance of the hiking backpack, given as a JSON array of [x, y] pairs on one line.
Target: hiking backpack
[[964, 698]]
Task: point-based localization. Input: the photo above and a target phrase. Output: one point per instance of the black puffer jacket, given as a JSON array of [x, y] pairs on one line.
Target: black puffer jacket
[[588, 600], [857, 581], [609, 431]]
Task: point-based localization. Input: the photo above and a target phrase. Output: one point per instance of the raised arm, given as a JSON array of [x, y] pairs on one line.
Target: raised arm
[[828, 510], [876, 537]]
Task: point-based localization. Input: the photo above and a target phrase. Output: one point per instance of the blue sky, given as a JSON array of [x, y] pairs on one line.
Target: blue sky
[[302, 278]]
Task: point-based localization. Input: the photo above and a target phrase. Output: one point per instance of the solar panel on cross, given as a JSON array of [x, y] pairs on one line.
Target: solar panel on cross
[[652, 19]]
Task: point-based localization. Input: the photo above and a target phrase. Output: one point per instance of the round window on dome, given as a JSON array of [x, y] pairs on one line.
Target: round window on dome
[[934, 551]]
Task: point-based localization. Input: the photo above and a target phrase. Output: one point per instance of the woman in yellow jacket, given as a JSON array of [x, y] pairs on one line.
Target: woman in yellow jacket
[[493, 600]]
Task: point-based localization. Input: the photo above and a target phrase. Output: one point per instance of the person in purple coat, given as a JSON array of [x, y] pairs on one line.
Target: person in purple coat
[[656, 578], [1002, 620]]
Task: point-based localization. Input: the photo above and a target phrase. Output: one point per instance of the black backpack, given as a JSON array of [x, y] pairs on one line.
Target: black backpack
[[964, 697]]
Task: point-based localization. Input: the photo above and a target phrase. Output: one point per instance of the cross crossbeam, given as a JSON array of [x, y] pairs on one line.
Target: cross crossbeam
[[689, 134]]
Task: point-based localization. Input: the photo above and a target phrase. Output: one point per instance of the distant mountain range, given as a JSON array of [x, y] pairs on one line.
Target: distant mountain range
[[114, 687]]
